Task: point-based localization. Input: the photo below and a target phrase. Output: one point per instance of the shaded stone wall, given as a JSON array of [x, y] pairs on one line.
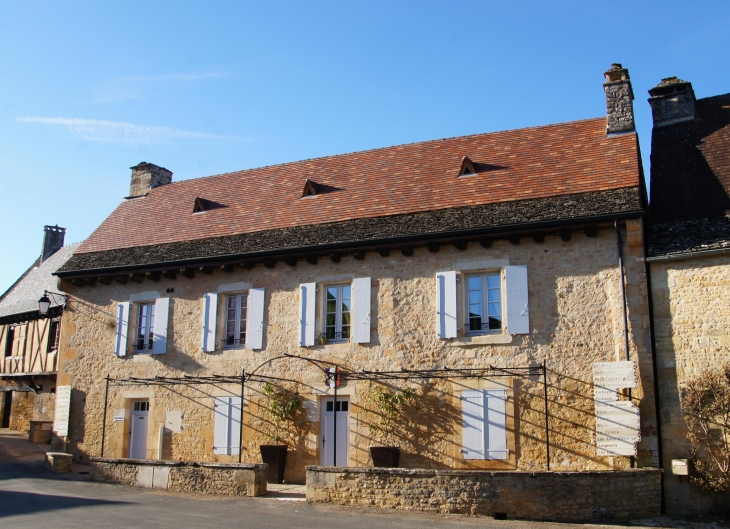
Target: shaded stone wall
[[556, 496], [575, 320], [692, 327]]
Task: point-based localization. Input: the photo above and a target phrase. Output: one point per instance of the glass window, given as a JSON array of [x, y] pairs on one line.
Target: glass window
[[54, 332], [484, 303], [145, 326], [236, 311], [337, 312]]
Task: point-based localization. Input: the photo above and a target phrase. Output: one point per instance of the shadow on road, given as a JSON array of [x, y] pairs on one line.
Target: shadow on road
[[14, 503]]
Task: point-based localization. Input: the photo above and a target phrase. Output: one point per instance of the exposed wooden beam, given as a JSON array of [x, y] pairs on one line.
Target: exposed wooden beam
[[170, 274], [460, 244], [565, 234], [122, 278], [227, 268], [406, 250], [188, 272], [359, 255], [311, 258], [291, 261], [384, 252], [269, 262], [137, 278], [433, 246], [335, 257], [592, 230], [154, 276], [207, 270]]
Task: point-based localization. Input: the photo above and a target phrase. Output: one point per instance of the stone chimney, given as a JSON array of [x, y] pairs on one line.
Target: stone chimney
[[145, 176], [672, 101], [619, 100], [52, 241]]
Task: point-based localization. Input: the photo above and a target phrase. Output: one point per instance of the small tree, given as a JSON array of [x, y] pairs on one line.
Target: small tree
[[706, 407], [282, 404], [388, 407]]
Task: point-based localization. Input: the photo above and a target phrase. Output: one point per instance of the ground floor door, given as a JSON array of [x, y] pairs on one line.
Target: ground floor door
[[138, 429], [335, 447], [7, 397]]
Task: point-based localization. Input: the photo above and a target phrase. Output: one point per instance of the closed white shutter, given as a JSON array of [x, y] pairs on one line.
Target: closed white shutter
[[472, 424], [496, 426], [222, 410], [234, 429], [361, 289], [255, 319], [210, 306], [162, 311], [120, 344], [307, 292], [446, 324], [518, 314]]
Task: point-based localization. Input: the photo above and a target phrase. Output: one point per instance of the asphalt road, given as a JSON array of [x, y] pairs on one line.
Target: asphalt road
[[32, 497]]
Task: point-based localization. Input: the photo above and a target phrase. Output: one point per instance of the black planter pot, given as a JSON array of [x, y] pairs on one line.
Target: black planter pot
[[385, 456], [275, 457]]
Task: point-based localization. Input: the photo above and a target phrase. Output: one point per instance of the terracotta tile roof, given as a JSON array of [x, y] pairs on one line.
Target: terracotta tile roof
[[539, 162]]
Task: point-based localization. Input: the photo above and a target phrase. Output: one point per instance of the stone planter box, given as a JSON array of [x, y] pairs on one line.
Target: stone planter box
[[556, 496], [227, 479], [40, 432]]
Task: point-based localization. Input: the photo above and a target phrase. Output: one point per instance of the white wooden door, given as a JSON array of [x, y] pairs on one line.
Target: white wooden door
[[327, 432], [138, 429]]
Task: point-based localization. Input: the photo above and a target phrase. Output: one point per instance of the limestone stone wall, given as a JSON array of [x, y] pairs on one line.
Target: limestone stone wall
[[692, 329], [208, 478], [575, 320], [557, 496]]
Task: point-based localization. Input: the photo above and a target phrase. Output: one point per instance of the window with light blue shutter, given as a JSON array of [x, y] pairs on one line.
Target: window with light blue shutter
[[446, 324], [162, 310], [484, 424], [120, 340], [307, 304], [210, 307], [227, 425], [472, 424], [495, 424], [518, 314], [255, 321], [361, 290]]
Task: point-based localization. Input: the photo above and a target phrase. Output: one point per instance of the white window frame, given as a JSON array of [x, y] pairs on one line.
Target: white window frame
[[338, 313], [148, 337], [241, 297], [465, 291]]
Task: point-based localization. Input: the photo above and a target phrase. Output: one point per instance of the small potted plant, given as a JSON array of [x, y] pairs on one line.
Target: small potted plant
[[281, 404], [386, 407]]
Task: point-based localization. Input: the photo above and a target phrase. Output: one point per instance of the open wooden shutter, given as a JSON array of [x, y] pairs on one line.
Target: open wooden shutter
[[255, 319], [222, 410], [446, 324], [518, 314], [307, 292], [210, 306], [162, 311], [361, 288], [472, 424], [120, 343], [496, 423], [235, 425]]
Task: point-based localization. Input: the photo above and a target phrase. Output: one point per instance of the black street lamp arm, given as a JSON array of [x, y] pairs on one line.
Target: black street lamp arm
[[44, 304]]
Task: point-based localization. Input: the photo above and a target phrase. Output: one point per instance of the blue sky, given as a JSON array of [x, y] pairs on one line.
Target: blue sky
[[92, 88]]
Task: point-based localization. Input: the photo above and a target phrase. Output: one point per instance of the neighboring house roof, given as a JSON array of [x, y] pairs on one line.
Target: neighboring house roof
[[23, 296], [690, 181], [522, 176]]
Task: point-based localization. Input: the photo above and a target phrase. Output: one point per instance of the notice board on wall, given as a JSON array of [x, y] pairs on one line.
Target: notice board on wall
[[63, 411]]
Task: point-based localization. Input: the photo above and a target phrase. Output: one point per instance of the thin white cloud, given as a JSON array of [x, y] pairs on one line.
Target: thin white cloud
[[118, 131], [135, 86]]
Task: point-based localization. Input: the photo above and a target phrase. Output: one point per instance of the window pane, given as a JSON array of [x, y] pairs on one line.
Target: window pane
[[345, 332], [331, 293], [495, 310], [493, 281], [475, 296], [345, 406], [330, 405], [346, 292], [495, 323], [346, 305], [330, 320], [331, 305], [475, 310], [475, 283], [494, 296], [345, 318]]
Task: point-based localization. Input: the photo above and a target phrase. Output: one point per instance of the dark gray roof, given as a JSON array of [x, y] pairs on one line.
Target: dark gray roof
[[689, 236], [23, 296], [498, 216]]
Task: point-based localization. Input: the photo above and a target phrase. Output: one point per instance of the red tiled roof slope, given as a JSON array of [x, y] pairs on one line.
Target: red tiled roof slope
[[537, 162]]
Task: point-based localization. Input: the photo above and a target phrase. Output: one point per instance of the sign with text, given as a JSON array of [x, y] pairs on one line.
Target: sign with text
[[63, 411], [618, 427]]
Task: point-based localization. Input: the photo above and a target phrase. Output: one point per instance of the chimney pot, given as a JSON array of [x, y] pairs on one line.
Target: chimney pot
[[672, 101], [619, 100], [52, 241], [146, 176]]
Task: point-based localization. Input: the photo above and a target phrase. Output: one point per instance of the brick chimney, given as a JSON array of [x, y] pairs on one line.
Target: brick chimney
[[52, 241], [619, 100], [145, 176], [672, 101]]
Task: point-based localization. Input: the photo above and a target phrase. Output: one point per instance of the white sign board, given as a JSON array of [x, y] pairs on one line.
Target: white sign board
[[605, 394], [173, 421], [617, 422], [63, 411]]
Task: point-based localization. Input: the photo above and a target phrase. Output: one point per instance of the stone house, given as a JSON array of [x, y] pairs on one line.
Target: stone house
[[689, 238], [29, 341], [482, 256]]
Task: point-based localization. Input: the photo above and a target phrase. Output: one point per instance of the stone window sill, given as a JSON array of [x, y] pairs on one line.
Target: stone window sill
[[484, 339]]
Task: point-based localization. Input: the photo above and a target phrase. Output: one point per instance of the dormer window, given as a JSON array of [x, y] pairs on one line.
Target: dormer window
[[200, 205], [310, 188], [467, 167]]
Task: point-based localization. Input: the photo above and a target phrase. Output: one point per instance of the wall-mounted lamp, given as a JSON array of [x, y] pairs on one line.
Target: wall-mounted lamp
[[44, 303]]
